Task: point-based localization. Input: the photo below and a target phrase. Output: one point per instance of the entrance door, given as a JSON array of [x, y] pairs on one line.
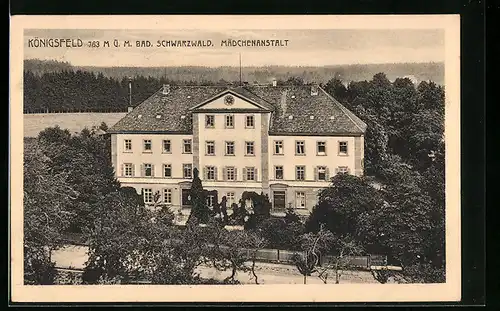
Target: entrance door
[[186, 198], [279, 200]]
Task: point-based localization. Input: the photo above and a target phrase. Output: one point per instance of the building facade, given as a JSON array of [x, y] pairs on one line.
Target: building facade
[[286, 142]]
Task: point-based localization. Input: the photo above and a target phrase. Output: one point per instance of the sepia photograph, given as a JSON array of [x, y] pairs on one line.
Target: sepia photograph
[[237, 155]]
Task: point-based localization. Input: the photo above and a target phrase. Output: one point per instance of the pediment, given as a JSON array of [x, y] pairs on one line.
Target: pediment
[[230, 100]]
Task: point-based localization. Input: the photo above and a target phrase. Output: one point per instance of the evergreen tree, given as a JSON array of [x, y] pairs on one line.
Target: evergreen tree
[[199, 209]]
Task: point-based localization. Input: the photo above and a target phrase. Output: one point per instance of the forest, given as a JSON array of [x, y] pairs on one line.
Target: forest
[[403, 218], [52, 86]]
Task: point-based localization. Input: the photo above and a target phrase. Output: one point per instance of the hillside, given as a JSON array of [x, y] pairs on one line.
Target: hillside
[[347, 73]]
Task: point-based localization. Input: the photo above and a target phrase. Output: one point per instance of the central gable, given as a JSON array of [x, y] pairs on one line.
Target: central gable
[[230, 100]]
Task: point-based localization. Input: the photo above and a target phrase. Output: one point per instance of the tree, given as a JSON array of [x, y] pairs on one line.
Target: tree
[[337, 89], [343, 205], [131, 243], [258, 208], [232, 250], [46, 214], [313, 246], [281, 233], [344, 247], [199, 207], [86, 158]]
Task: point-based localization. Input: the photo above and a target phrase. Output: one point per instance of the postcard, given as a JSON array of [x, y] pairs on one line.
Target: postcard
[[241, 158]]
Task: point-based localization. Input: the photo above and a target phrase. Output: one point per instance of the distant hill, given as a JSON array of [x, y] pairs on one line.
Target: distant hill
[[347, 73]]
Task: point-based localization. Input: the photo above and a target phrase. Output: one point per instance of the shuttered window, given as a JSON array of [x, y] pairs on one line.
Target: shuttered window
[[128, 170], [147, 170], [250, 173], [321, 173], [210, 173], [342, 170], [167, 170], [229, 173]]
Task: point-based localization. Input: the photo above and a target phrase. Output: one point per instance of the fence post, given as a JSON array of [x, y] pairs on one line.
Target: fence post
[[278, 255]]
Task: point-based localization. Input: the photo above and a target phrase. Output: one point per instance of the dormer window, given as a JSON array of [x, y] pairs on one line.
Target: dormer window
[[314, 90], [166, 89]]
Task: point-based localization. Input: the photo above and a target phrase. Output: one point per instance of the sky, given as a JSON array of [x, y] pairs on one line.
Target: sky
[[318, 47]]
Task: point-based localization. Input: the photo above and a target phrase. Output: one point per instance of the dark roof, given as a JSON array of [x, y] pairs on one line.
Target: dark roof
[[330, 117]]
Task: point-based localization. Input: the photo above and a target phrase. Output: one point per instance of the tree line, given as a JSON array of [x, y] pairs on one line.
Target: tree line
[[261, 74], [69, 89]]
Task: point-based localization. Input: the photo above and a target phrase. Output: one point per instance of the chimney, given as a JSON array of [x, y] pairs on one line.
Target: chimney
[[314, 90], [275, 83], [166, 89], [130, 109]]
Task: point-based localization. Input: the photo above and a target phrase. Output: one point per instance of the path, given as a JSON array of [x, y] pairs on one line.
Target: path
[[74, 257]]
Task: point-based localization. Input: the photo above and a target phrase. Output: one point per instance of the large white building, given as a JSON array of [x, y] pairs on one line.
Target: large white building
[[284, 141]]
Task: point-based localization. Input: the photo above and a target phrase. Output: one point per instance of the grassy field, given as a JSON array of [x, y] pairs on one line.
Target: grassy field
[[74, 122]]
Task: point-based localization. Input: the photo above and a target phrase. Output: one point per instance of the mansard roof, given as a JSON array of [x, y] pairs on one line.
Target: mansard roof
[[295, 110]]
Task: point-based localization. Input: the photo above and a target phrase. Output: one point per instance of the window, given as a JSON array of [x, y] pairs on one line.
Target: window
[[210, 173], [230, 173], [229, 147], [278, 172], [230, 199], [229, 121], [249, 148], [148, 170], [342, 170], [249, 122], [300, 148], [147, 145], [128, 170], [209, 121], [300, 199], [322, 173], [148, 195], [187, 146], [210, 150], [167, 196], [128, 145], [278, 147], [321, 148], [167, 170], [167, 146], [300, 172], [210, 200], [187, 170], [343, 147], [251, 173]]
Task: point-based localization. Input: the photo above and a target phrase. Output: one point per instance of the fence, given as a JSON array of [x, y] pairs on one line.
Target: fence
[[286, 257]]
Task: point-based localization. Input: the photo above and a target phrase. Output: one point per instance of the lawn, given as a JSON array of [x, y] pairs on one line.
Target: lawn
[[74, 122]]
